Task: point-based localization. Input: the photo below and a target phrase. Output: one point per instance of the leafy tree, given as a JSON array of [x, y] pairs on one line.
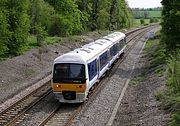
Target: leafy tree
[[4, 31], [68, 17], [142, 21], [85, 6], [41, 14], [18, 21], [103, 14], [171, 24], [122, 14]]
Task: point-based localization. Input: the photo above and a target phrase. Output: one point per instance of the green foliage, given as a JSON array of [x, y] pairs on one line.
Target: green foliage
[[51, 40], [170, 101], [155, 14], [137, 23], [174, 73], [18, 21], [28, 72], [32, 42], [136, 80], [4, 31], [40, 15], [146, 13], [68, 18], [85, 6], [142, 21], [157, 57], [175, 120], [153, 20], [41, 34], [40, 18], [102, 21], [171, 24]]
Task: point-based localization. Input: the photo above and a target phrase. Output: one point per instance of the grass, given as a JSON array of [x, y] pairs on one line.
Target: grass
[[136, 80], [51, 40], [170, 98], [157, 57], [153, 13], [28, 72], [137, 23], [158, 71], [159, 60], [32, 41]]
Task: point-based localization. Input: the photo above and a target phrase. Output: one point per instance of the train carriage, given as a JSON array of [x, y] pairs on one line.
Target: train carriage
[[75, 73]]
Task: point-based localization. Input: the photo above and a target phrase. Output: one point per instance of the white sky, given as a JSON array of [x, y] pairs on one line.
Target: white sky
[[144, 3]]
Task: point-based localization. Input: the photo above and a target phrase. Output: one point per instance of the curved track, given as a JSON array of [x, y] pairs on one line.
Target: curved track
[[62, 114]]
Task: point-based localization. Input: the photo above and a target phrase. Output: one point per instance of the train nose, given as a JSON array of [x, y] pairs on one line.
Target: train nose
[[69, 95]]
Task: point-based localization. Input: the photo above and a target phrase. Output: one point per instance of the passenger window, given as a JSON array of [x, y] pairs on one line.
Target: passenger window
[[92, 70]]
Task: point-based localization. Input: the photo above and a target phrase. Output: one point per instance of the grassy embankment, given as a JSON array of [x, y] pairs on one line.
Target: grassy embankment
[[162, 64], [152, 14], [32, 40]]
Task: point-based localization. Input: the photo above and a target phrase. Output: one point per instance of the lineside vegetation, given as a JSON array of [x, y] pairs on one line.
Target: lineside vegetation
[[21, 19], [170, 43]]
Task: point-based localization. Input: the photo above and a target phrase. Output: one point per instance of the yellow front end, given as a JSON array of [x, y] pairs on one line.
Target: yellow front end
[[69, 93]]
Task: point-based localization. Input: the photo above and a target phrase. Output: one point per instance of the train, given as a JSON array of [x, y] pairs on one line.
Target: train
[[76, 73]]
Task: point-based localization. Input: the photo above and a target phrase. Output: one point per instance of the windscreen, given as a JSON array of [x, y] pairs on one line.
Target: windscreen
[[69, 73]]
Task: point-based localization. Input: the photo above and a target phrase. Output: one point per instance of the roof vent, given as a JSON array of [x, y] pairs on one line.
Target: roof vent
[[85, 50], [98, 43], [90, 48]]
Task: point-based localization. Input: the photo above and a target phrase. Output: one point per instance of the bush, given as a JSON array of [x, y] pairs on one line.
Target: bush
[[142, 21], [174, 73]]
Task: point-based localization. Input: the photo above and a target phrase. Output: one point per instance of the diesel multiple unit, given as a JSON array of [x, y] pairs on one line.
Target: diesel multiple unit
[[75, 73]]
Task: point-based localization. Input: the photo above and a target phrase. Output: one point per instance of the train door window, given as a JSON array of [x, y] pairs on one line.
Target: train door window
[[103, 60], [111, 52], [117, 48], [97, 66], [92, 69], [114, 50], [121, 44]]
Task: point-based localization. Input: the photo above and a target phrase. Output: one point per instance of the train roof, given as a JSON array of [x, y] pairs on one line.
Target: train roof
[[85, 53], [114, 36], [90, 51]]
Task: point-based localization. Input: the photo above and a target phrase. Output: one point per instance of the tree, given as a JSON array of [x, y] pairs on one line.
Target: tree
[[103, 14], [85, 6], [41, 14], [18, 21], [4, 31], [68, 17], [171, 24], [142, 21]]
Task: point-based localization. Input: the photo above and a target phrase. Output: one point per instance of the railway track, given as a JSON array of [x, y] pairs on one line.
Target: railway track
[[17, 110], [62, 114], [56, 118]]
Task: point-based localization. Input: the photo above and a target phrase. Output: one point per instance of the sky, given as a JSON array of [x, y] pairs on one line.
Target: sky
[[144, 3]]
